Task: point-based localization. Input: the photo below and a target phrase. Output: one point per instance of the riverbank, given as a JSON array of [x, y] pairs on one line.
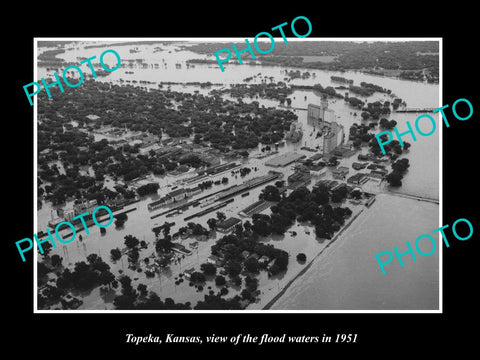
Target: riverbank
[[348, 277], [268, 294]]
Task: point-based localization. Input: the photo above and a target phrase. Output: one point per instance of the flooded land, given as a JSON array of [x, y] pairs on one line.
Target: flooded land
[[258, 188]]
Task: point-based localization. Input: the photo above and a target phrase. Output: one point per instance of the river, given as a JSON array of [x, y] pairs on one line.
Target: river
[[347, 277]]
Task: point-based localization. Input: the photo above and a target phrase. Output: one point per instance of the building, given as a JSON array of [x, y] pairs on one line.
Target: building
[[362, 157], [284, 159], [315, 157], [318, 114], [375, 176], [295, 133], [188, 273], [228, 225], [333, 137], [215, 260], [149, 140], [329, 184], [359, 166], [358, 179], [298, 178], [314, 114], [338, 186], [264, 259], [175, 195], [181, 249], [379, 172], [340, 173], [194, 191], [147, 148], [318, 170], [85, 206], [178, 194], [159, 203], [328, 116]]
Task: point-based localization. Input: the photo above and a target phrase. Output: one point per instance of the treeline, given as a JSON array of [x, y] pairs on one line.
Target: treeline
[[403, 55], [359, 134], [392, 149], [399, 168], [341, 79], [329, 90], [374, 110], [367, 89], [277, 91], [309, 206]]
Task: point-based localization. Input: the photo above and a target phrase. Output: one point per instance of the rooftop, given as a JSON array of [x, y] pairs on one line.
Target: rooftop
[[284, 159], [176, 192], [231, 221]]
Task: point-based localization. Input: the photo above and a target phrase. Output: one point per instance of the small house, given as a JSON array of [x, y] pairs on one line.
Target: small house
[[264, 259], [245, 254], [188, 273], [228, 224]]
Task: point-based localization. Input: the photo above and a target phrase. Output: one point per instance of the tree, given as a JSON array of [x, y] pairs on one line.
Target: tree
[[212, 223], [301, 257], [208, 269], [356, 194], [115, 254], [93, 259], [237, 280], [247, 225], [251, 283], [56, 260], [223, 291], [247, 295], [148, 189], [166, 229], [124, 302], [197, 277], [394, 178], [261, 224], [333, 161], [339, 194], [233, 268], [46, 247], [142, 289], [42, 269], [133, 255], [220, 280], [252, 265], [221, 216], [279, 224], [164, 245], [106, 278], [131, 241], [127, 288], [270, 193], [119, 222]]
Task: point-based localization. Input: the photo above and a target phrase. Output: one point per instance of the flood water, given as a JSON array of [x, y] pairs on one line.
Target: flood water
[[345, 277]]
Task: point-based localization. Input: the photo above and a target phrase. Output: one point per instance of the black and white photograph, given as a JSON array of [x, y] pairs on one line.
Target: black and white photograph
[[212, 180], [253, 184]]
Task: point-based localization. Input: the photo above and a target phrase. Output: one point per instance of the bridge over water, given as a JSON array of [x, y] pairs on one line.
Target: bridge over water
[[415, 110]]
